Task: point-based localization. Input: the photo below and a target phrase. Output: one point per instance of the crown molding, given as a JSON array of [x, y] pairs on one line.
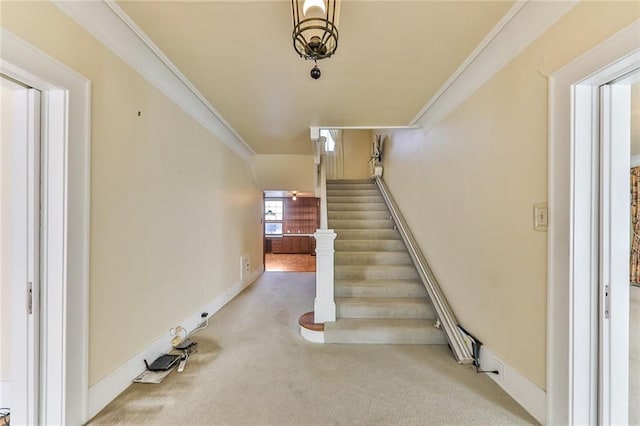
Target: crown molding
[[524, 23], [107, 22]]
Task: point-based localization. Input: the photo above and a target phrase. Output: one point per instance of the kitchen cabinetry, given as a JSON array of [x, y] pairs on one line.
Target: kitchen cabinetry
[[301, 216], [300, 219], [293, 244]]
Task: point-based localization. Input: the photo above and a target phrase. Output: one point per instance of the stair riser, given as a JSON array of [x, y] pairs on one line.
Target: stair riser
[[386, 337], [373, 192], [398, 290], [359, 215], [350, 181], [379, 206], [375, 272], [376, 258], [361, 224], [369, 245], [367, 234], [413, 310], [355, 199]]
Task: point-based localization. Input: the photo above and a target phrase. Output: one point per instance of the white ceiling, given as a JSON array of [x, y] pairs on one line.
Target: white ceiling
[[392, 58]]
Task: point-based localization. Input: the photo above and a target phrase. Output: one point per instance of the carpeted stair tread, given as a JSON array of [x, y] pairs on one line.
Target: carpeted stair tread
[[358, 214], [379, 288], [341, 245], [383, 331], [350, 192], [375, 272], [361, 224], [379, 296], [372, 257], [355, 199], [379, 206], [367, 234], [384, 307], [352, 181]]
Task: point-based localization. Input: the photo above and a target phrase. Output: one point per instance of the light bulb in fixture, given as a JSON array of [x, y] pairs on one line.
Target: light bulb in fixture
[[308, 4], [294, 196]]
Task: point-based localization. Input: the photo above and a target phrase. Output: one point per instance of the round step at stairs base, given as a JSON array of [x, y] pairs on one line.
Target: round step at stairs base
[[311, 331]]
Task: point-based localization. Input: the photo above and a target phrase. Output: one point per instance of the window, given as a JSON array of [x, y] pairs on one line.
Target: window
[[273, 217], [329, 143]]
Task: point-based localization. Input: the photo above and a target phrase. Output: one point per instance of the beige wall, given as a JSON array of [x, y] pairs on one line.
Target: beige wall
[[357, 149], [172, 209], [284, 172], [467, 189]]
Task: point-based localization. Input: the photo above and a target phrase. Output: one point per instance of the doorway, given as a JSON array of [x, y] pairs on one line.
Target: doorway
[[64, 231], [290, 220], [588, 286]]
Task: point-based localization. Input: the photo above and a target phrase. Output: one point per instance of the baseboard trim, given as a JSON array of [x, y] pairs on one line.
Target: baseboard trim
[[107, 389], [526, 393]]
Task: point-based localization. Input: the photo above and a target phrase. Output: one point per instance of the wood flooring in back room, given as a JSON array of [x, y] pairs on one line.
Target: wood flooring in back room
[[290, 262]]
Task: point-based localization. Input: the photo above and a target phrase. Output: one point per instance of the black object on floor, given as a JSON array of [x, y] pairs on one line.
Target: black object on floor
[[162, 363]]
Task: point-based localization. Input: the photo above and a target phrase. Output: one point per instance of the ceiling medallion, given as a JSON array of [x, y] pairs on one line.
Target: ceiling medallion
[[315, 30]]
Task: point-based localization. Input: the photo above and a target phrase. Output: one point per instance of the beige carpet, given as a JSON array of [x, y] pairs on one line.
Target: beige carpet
[[253, 368]]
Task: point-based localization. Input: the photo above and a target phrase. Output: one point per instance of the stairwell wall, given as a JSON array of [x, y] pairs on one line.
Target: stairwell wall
[[357, 149], [468, 186], [172, 208]]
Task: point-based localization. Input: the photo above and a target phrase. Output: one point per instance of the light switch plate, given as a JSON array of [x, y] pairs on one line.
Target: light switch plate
[[540, 216]]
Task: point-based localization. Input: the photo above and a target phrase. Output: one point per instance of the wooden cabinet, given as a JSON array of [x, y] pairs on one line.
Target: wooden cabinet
[[301, 216], [300, 219], [293, 244]]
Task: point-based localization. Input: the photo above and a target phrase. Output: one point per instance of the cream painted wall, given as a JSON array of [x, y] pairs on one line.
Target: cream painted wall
[[172, 209], [467, 189], [6, 112], [284, 172], [357, 149]]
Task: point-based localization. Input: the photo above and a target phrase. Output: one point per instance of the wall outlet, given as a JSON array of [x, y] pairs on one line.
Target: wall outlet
[[540, 216], [245, 267]]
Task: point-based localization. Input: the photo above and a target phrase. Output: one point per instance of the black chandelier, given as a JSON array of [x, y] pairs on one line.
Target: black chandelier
[[315, 31]]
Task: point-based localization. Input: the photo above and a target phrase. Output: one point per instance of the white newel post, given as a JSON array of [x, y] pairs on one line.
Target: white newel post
[[324, 305]]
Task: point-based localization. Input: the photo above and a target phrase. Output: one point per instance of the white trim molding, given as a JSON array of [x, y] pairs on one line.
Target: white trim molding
[[525, 392], [109, 387], [312, 336], [65, 183], [573, 246], [107, 22], [524, 23], [324, 305]]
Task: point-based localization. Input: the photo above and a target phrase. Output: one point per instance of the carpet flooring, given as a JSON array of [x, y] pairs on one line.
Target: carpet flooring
[[253, 368]]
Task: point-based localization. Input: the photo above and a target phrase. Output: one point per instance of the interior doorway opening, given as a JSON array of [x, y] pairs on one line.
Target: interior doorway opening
[[290, 220]]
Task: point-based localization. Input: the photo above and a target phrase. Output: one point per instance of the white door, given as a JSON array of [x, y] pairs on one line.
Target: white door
[[615, 155], [20, 248]]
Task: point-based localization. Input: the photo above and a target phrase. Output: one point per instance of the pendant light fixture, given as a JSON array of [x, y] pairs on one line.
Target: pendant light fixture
[[315, 30]]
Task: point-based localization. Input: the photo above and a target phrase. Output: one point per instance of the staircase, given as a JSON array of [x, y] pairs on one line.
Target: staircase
[[378, 293]]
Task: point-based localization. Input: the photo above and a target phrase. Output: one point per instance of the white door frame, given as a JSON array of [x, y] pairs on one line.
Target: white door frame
[[65, 165], [615, 159], [24, 260], [573, 250]]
